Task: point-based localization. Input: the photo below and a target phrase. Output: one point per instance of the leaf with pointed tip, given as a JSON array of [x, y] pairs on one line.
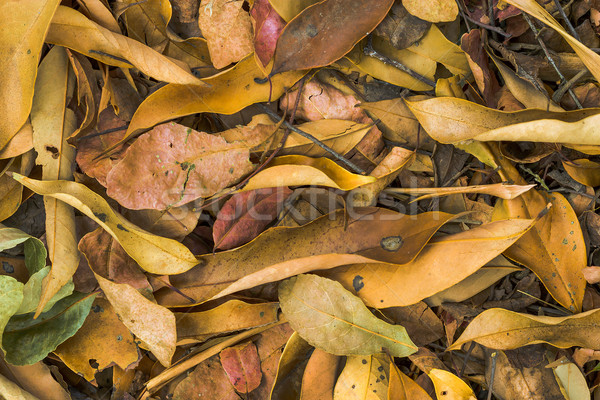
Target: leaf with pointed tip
[[242, 365], [267, 28], [325, 32], [449, 386], [330, 318], [27, 340], [32, 293], [153, 253]]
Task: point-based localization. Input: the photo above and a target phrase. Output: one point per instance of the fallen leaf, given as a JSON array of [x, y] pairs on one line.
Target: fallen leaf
[[584, 171], [420, 322], [338, 243], [73, 30], [180, 165], [319, 376], [385, 285], [322, 312], [501, 190], [572, 381], [11, 296], [242, 366], [102, 341], [401, 28], [291, 367], [35, 251], [449, 386], [208, 380], [325, 32], [503, 329], [20, 143], [27, 340], [288, 9], [10, 390], [24, 26], [36, 379], [225, 93], [267, 28], [436, 11], [32, 293], [153, 253], [153, 324], [227, 28], [472, 44], [363, 378], [592, 274], [245, 215], [234, 315], [401, 387]]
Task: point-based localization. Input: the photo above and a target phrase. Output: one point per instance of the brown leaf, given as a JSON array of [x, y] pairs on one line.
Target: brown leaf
[[486, 81], [242, 365], [172, 165], [267, 28], [227, 28], [325, 32], [245, 215], [209, 381], [401, 28]]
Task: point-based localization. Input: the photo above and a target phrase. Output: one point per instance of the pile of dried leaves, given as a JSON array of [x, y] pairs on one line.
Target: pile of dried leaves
[[274, 199]]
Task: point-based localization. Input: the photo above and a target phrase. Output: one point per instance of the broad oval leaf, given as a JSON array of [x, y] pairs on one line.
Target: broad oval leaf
[[363, 378], [27, 340], [432, 11], [153, 253], [23, 27], [325, 32], [441, 264], [330, 318], [73, 30], [502, 329]]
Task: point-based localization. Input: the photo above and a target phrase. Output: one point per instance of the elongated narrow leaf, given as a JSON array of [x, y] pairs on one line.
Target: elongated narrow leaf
[[52, 124], [501, 190], [441, 264], [153, 253], [23, 26], [325, 32], [72, 29], [329, 317], [502, 329], [370, 235], [27, 340]]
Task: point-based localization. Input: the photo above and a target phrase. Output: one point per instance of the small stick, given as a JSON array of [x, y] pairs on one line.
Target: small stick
[[371, 52], [494, 357], [565, 86], [313, 139], [550, 59], [561, 10], [462, 12], [489, 27]]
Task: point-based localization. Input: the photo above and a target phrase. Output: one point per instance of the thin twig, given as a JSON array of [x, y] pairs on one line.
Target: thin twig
[[565, 86], [550, 59], [313, 139], [561, 10], [489, 27], [371, 52], [493, 356], [463, 14]]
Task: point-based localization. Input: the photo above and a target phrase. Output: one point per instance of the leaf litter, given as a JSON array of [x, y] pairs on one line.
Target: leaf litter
[[311, 200]]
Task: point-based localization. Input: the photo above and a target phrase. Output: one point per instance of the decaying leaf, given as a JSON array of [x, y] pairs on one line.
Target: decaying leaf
[[267, 28], [332, 319], [242, 365]]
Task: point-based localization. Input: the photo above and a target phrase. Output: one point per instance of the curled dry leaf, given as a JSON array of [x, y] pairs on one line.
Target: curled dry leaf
[[504, 330], [326, 242], [501, 190], [25, 24], [442, 263], [432, 11], [325, 32], [172, 165], [227, 28], [323, 313], [153, 253], [73, 30]]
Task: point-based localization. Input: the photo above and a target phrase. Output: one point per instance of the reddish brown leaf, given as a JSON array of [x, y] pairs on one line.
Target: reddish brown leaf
[[246, 214], [325, 32], [478, 59], [89, 148], [242, 365], [267, 28], [207, 381], [172, 165]]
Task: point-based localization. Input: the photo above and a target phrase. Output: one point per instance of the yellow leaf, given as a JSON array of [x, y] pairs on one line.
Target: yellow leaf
[[502, 329], [572, 382], [52, 124], [449, 386], [289, 9], [72, 29], [302, 170], [153, 324], [23, 25], [501, 190], [21, 143], [363, 378], [441, 264], [589, 58], [452, 120], [155, 254], [435, 46], [226, 93], [584, 171], [403, 388]]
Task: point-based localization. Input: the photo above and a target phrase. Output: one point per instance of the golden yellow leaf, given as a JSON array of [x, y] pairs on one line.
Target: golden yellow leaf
[[155, 254], [20, 143], [501, 190], [589, 58], [153, 324], [23, 26], [441, 264], [403, 388], [363, 378], [433, 11], [52, 124], [73, 30], [289, 9], [502, 329], [584, 171], [449, 386]]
